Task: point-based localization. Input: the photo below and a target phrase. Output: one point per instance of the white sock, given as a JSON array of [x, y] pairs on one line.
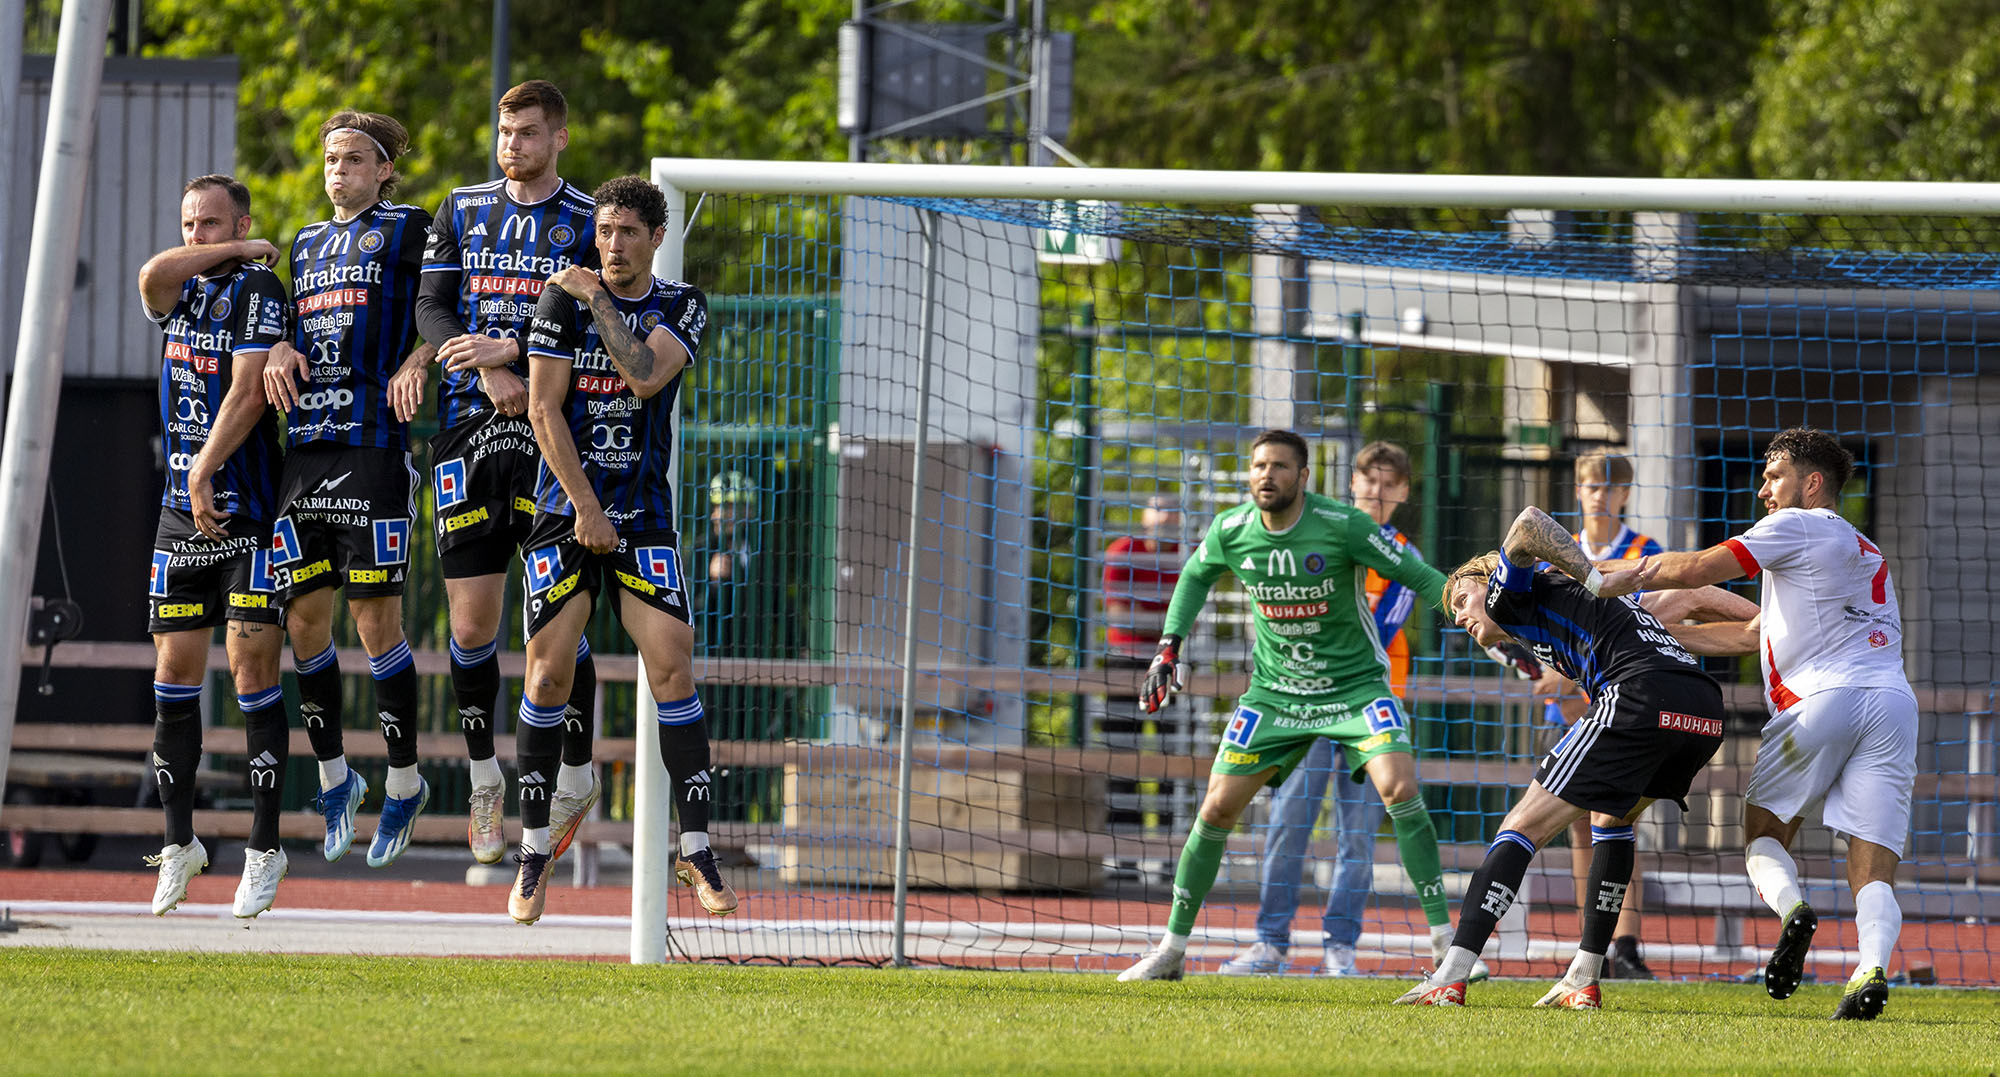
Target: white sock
[[1456, 966], [535, 839], [486, 773], [1774, 875], [1878, 920], [1176, 943], [332, 772], [573, 780], [693, 841], [402, 782], [1584, 968]]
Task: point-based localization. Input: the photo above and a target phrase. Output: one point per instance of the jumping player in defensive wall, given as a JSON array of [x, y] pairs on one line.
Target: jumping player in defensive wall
[[606, 353], [1320, 671], [491, 248], [222, 309], [1843, 727], [347, 498]]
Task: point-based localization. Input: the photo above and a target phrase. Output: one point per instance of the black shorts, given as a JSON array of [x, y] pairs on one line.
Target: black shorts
[[1645, 737], [198, 583], [344, 520], [483, 485], [646, 564]]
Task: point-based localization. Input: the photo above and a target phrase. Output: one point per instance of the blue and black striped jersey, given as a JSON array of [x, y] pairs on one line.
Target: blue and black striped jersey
[[626, 443], [354, 289], [216, 319], [496, 253]]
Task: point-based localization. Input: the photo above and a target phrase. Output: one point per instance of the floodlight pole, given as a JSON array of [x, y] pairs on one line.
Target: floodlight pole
[[38, 357], [927, 223], [12, 13]]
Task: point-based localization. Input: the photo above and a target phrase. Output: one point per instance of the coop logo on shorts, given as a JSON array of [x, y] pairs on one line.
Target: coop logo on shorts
[[219, 310], [562, 235], [285, 547], [450, 478], [660, 566], [371, 241], [161, 559], [1382, 716], [544, 565], [392, 541], [262, 578], [1315, 564], [1242, 726]]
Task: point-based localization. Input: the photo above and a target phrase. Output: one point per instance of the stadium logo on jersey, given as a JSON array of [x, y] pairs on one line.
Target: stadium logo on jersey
[[1242, 726], [519, 229], [660, 566], [161, 559], [262, 578], [450, 478], [220, 309], [544, 565], [648, 322], [1315, 564], [392, 541], [371, 241], [285, 547], [562, 235]]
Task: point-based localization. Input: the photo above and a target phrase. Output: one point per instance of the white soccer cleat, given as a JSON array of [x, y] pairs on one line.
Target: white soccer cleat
[[1159, 963], [178, 864], [1441, 944], [262, 872], [1339, 961], [566, 811], [1427, 993], [1566, 995], [1261, 959], [484, 830]]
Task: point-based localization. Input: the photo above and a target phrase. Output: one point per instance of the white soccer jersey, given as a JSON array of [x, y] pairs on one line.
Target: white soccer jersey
[[1830, 616]]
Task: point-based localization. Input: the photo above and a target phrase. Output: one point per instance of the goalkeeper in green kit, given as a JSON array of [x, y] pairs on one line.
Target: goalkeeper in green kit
[[1320, 671]]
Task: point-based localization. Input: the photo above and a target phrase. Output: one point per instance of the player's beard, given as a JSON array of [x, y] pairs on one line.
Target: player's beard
[[1281, 499], [529, 169]]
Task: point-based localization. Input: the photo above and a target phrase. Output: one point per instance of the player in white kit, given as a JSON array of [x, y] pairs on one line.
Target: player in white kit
[[1843, 724]]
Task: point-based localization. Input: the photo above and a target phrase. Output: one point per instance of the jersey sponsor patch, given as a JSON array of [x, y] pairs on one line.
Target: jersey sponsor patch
[[450, 479], [1383, 715], [392, 541], [1241, 759], [1690, 723], [1242, 726], [660, 565], [161, 560], [544, 565], [285, 547]]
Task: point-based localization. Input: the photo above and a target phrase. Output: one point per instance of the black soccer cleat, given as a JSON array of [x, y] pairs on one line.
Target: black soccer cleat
[[1788, 958], [1624, 962], [1864, 998]]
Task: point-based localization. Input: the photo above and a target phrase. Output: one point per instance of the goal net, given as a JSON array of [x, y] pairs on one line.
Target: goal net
[[928, 743]]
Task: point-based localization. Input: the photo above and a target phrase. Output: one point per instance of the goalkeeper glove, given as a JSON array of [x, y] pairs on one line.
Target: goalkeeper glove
[[1517, 658], [1164, 677]]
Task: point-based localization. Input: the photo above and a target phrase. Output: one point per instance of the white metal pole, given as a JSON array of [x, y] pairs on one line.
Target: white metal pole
[[38, 357], [12, 14], [927, 223]]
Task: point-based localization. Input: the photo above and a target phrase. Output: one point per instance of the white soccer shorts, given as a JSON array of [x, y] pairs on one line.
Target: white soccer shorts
[[1854, 747]]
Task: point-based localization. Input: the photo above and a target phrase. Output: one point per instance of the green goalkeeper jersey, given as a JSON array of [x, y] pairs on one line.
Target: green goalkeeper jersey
[[1316, 636]]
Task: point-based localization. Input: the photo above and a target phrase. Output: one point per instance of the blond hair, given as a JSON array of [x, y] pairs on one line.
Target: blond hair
[[1479, 569]]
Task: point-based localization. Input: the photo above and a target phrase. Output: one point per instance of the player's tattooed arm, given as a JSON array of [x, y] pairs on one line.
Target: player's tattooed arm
[[1536, 537], [548, 387], [161, 278]]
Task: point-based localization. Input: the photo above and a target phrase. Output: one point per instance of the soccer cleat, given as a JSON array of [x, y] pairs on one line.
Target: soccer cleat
[[262, 872], [525, 901], [1624, 962], [1261, 959], [699, 871], [1568, 996], [1441, 935], [485, 831], [1866, 994], [338, 805], [178, 864], [1427, 993], [1788, 958], [392, 832], [1339, 961], [566, 810], [1158, 963]]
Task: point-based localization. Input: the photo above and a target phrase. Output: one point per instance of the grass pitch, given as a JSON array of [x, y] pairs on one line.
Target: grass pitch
[[99, 1012]]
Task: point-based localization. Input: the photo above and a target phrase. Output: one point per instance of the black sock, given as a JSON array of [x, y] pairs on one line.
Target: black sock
[[538, 743], [396, 702], [177, 754], [578, 718], [1493, 889], [1611, 855], [684, 749], [267, 734], [475, 684], [319, 701]]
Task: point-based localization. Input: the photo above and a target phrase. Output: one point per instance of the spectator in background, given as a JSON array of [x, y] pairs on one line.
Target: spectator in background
[[1139, 576]]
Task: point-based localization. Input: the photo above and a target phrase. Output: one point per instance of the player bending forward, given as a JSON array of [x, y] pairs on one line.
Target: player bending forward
[[1843, 726], [1320, 672], [1654, 721]]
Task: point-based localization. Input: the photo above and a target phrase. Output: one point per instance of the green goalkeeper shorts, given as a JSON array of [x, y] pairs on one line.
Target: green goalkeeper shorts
[[1268, 730]]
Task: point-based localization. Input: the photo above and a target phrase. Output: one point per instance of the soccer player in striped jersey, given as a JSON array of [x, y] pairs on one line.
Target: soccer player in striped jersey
[[222, 309], [1843, 727], [1655, 720], [1320, 671], [1380, 484], [347, 498], [491, 248], [606, 354]]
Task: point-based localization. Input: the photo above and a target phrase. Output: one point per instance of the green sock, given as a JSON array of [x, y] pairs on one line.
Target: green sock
[[1200, 858], [1418, 845]]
